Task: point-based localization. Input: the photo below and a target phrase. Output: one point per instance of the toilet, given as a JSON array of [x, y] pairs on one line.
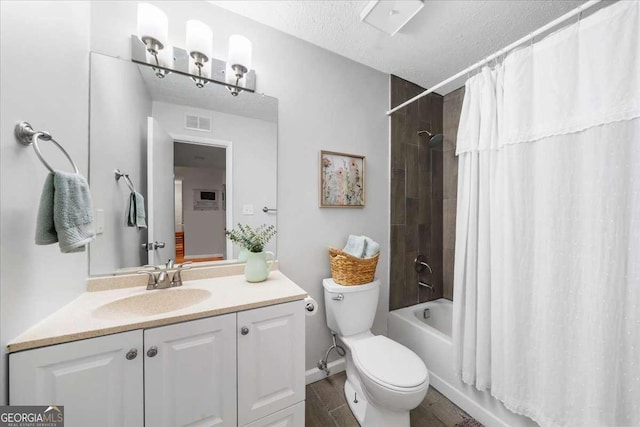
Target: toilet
[[385, 380]]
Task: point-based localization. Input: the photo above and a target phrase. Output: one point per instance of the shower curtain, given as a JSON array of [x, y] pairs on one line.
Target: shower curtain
[[547, 262]]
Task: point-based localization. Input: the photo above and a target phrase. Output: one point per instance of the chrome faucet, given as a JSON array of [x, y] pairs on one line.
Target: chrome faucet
[[161, 277], [177, 276], [153, 280], [163, 281]]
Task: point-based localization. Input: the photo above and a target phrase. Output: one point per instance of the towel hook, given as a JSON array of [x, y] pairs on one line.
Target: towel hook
[[27, 136]]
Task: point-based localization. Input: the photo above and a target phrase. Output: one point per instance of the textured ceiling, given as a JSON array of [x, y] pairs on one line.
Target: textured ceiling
[[442, 39]]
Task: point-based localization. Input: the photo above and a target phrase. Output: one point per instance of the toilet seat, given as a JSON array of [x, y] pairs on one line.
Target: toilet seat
[[389, 364]]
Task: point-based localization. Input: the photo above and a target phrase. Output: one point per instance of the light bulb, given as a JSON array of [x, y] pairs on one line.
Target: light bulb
[[240, 50], [153, 27], [199, 40]]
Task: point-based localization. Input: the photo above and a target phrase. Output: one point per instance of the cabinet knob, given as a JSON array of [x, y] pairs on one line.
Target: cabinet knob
[[132, 354], [244, 330], [152, 351]]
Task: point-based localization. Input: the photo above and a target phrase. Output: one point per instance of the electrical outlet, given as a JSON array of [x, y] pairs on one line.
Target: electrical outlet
[[247, 209]]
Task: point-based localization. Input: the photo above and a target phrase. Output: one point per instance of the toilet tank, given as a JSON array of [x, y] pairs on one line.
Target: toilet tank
[[350, 309]]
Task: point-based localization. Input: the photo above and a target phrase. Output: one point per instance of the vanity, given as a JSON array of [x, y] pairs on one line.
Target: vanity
[[215, 351]]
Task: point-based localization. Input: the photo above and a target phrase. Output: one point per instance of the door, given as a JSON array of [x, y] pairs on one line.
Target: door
[[270, 360], [160, 197], [190, 373], [99, 380]]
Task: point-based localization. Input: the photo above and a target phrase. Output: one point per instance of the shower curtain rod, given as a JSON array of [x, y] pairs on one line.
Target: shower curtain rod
[[502, 51]]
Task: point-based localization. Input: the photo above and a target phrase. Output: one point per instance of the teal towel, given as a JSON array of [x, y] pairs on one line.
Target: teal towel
[[355, 246], [372, 248], [65, 214], [136, 216]]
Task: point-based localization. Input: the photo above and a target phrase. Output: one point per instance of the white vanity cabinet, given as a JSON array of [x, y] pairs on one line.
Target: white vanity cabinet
[[190, 373], [270, 360], [98, 380], [238, 369]]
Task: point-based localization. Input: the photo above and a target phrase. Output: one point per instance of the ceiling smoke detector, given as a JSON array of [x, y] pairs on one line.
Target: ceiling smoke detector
[[390, 16]]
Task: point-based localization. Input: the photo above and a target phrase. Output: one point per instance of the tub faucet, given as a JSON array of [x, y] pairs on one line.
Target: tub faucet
[[425, 285]]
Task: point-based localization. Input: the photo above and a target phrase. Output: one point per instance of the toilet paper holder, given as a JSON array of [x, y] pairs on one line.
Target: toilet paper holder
[[310, 306]]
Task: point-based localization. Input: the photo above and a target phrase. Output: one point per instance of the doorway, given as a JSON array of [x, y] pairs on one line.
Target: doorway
[[201, 179]]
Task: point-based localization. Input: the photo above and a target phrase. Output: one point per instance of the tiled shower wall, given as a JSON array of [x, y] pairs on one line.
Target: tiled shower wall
[[423, 193], [416, 196], [452, 107]]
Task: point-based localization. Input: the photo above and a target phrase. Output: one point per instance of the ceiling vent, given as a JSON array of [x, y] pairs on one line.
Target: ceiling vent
[[199, 123], [390, 15]]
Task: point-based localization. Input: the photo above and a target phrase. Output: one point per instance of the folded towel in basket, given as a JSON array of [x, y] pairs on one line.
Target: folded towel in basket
[[355, 246], [65, 214], [372, 248]]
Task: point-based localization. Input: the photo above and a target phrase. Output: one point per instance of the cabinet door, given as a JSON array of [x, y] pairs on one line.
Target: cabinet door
[[94, 380], [270, 360], [293, 416], [190, 373]]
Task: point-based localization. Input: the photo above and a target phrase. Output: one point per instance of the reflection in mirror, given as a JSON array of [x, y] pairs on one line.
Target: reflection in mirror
[[203, 161]]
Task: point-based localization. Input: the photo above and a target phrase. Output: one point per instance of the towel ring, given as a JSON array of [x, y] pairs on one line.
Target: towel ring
[[27, 136]]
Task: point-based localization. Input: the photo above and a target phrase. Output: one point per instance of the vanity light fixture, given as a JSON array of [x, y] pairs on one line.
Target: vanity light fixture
[[153, 29], [164, 60], [150, 47], [199, 46], [239, 61]]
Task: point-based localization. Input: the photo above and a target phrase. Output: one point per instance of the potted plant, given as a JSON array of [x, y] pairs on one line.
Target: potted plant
[[254, 241]]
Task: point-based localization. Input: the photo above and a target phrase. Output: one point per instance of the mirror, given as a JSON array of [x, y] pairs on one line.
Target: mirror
[[203, 161]]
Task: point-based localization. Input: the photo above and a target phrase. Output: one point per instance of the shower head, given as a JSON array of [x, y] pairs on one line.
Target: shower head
[[435, 141]]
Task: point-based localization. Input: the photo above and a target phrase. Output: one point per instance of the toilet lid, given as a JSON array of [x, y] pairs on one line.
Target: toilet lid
[[388, 362]]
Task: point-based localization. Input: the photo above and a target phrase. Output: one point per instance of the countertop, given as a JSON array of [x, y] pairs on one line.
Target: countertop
[[84, 318]]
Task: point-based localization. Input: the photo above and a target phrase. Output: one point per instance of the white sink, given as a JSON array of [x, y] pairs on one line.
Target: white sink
[[151, 303]]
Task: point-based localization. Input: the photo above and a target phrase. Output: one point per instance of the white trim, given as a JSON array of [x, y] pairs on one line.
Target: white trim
[[151, 256], [499, 53], [228, 146], [315, 374]]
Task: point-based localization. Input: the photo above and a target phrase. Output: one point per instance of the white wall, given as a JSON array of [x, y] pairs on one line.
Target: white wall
[[44, 79], [203, 230], [118, 136], [254, 157]]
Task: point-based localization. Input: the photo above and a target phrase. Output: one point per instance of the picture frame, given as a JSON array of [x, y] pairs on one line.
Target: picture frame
[[342, 180]]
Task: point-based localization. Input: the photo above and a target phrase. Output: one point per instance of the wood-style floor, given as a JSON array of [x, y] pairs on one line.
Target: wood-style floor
[[326, 407]]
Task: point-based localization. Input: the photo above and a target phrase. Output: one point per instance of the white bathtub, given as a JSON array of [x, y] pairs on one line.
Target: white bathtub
[[431, 340]]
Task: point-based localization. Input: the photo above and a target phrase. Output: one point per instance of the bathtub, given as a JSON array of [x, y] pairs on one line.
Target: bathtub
[[430, 339]]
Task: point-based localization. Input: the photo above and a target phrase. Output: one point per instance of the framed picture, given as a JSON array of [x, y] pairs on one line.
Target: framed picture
[[341, 180]]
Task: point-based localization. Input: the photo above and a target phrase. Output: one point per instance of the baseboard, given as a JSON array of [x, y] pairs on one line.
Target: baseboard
[[315, 374]]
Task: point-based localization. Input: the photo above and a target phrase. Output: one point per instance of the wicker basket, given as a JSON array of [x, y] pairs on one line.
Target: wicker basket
[[349, 270]]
